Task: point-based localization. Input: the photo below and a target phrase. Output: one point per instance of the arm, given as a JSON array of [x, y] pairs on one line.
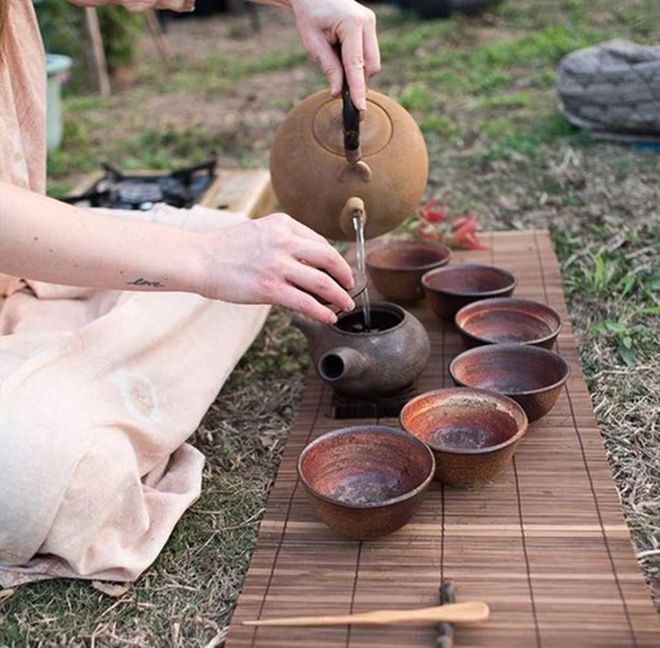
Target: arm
[[273, 260]]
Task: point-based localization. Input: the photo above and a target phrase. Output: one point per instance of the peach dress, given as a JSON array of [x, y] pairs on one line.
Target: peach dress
[[99, 390]]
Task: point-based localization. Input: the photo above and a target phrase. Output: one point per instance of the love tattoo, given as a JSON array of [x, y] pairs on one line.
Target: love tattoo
[[140, 281]]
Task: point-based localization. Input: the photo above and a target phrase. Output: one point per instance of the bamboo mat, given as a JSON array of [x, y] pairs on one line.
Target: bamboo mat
[[545, 544]]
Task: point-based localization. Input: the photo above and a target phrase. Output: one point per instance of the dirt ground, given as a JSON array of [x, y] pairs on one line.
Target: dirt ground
[[483, 92]]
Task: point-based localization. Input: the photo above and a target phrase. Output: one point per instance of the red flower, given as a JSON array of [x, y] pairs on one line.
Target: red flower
[[465, 233], [433, 214]]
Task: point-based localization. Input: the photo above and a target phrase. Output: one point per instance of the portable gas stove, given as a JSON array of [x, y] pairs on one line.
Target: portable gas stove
[[118, 190]]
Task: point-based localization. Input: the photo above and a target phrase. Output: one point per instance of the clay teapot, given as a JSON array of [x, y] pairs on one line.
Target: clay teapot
[[330, 164], [382, 361]]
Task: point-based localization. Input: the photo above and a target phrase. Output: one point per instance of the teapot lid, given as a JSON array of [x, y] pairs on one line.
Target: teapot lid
[[375, 127]]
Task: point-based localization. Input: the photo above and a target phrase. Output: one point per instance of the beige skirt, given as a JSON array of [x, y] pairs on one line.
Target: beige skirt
[[99, 391]]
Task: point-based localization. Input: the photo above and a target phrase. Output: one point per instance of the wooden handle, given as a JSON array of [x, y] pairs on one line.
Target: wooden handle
[[467, 612]]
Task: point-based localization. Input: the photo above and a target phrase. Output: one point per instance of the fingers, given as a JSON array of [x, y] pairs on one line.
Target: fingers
[[370, 46], [325, 57], [297, 300], [315, 250], [324, 256], [318, 284], [352, 53]]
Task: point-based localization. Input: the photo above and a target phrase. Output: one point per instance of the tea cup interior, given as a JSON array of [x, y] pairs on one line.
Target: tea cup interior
[[469, 279], [463, 420], [365, 466], [503, 320], [407, 255], [509, 368]]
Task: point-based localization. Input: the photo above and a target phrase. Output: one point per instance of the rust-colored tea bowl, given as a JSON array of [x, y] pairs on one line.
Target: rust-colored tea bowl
[[532, 376], [449, 289], [366, 481], [508, 320], [473, 433], [396, 268]]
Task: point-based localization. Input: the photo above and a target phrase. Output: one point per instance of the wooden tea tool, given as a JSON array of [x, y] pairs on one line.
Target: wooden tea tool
[[466, 612]]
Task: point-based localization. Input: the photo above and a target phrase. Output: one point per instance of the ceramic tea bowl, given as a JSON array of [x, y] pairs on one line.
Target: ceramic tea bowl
[[366, 481], [532, 376], [473, 433], [506, 319], [449, 289], [396, 268]]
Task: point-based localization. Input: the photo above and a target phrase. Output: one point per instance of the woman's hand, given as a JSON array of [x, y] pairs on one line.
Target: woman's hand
[[275, 260], [324, 24]]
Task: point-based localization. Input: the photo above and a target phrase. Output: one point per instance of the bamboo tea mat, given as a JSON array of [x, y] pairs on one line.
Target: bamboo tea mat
[[545, 544]]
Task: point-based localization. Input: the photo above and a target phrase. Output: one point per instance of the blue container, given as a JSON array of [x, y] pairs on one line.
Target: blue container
[[57, 66]]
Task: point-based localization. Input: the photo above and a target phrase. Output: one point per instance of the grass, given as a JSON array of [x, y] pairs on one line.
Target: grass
[[482, 91]]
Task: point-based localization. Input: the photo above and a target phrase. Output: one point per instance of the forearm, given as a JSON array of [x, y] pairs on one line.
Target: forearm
[[44, 239]]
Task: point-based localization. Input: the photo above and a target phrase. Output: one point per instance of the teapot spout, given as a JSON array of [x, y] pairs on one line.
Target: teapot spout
[[352, 210], [342, 364]]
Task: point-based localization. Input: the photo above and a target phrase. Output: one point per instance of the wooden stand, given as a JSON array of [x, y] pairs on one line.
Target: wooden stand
[[97, 53]]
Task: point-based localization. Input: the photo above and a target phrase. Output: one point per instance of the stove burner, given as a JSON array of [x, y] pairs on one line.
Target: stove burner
[[116, 190], [138, 193]]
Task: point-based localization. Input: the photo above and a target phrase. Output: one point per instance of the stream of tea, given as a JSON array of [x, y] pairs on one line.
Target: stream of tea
[[358, 226]]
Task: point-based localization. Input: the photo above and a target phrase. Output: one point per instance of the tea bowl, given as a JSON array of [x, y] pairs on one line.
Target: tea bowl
[[366, 481], [504, 320], [396, 268], [532, 376], [473, 433], [449, 289]]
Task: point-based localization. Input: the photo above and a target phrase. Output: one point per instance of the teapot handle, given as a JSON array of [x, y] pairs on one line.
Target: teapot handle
[[350, 118]]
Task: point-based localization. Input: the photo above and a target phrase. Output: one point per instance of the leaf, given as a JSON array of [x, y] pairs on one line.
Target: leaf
[[627, 284], [627, 355], [115, 590], [614, 327]]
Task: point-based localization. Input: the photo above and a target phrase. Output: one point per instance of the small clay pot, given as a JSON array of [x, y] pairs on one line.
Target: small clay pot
[[449, 289], [532, 376], [366, 481], [396, 268], [368, 363], [508, 320], [473, 433]]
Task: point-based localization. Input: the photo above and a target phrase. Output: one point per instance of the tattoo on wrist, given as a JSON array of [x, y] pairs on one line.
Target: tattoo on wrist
[[140, 281]]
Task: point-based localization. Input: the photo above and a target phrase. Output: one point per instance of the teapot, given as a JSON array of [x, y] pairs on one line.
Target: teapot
[[357, 363], [330, 164]]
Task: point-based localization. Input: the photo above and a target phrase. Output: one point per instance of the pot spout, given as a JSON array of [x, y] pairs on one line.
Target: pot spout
[[352, 210], [342, 364]]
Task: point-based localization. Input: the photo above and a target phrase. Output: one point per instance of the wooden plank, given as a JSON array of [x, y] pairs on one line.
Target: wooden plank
[[545, 544], [247, 191]]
